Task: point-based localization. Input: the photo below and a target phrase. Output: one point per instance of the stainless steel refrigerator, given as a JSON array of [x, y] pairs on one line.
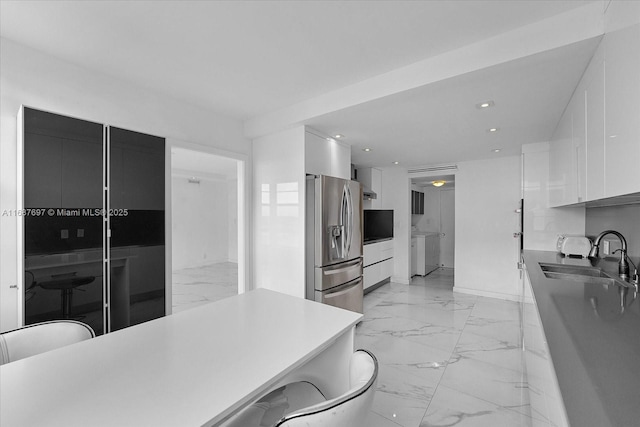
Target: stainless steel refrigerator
[[334, 242]]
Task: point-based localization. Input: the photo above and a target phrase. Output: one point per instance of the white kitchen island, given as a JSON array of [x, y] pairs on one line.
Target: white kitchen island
[[193, 368]]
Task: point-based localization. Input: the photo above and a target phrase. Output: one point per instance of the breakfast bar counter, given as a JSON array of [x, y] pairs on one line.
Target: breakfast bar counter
[[194, 368]]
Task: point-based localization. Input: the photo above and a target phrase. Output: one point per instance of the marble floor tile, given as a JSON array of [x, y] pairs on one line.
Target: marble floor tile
[[500, 386], [490, 350], [454, 408], [397, 322], [444, 358], [377, 420], [192, 287]]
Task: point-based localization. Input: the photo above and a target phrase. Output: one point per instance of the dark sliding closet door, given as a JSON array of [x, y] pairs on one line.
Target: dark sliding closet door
[[136, 220], [94, 241], [63, 224]]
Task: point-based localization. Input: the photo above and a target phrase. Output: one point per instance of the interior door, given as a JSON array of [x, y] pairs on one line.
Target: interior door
[[136, 222], [63, 223], [447, 228]]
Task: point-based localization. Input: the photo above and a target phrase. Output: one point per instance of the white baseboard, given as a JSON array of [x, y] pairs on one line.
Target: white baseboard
[[400, 280], [497, 295]]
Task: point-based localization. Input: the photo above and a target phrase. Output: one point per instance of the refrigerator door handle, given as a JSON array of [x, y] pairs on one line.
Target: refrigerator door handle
[[349, 225], [347, 267], [344, 290]]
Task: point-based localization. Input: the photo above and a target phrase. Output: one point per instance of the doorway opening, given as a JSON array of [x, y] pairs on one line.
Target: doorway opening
[[434, 224], [205, 216]]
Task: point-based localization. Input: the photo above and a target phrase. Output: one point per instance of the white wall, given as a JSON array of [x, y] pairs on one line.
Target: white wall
[[232, 223], [204, 221], [486, 253], [44, 82], [279, 222], [397, 196], [430, 221], [542, 224]]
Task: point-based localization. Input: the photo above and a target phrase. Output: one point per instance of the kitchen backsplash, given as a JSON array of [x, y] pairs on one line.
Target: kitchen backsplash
[[624, 219]]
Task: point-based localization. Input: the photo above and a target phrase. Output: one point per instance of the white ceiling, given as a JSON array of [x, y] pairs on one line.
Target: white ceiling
[[440, 123], [245, 59]]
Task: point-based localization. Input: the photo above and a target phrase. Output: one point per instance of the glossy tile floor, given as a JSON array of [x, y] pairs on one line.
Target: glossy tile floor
[[199, 285], [446, 359]]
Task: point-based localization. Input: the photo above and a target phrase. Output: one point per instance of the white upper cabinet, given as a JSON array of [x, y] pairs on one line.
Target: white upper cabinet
[[579, 142], [326, 157], [602, 123], [593, 82], [562, 178], [622, 111]]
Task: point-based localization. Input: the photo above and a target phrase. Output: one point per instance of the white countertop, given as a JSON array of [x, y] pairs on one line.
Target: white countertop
[[189, 369]]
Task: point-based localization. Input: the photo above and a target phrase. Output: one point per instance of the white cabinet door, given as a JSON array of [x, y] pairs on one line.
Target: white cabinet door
[[317, 155], [414, 256], [622, 107], [324, 156], [562, 179], [579, 132], [340, 160], [594, 92], [432, 248], [421, 252]]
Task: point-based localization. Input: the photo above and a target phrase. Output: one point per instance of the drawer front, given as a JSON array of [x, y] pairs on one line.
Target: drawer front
[[334, 275], [347, 296], [376, 252], [377, 272]]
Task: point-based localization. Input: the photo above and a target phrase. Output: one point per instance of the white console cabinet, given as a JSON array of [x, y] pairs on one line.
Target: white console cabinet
[[378, 262]]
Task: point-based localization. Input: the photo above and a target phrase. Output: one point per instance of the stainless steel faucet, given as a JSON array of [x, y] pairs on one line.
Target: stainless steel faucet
[[623, 265]]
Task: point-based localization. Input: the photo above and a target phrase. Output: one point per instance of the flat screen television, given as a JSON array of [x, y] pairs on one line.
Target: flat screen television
[[378, 224]]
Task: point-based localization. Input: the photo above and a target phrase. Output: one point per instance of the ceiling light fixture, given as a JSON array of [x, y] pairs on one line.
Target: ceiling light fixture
[[396, 163], [366, 149], [485, 104], [496, 150], [338, 136], [438, 183], [493, 130]]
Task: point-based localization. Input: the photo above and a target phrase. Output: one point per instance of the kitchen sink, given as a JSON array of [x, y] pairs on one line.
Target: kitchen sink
[[583, 274], [573, 269]]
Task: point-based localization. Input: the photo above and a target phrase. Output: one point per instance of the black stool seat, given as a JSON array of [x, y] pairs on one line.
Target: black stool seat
[[66, 286], [70, 283]]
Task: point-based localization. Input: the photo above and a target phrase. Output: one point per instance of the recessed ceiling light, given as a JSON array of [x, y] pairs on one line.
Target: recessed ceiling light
[[438, 183], [496, 150], [485, 104], [366, 149], [338, 136], [396, 163], [493, 130]]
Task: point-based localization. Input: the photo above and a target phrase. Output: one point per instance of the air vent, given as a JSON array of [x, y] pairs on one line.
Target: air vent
[[441, 168]]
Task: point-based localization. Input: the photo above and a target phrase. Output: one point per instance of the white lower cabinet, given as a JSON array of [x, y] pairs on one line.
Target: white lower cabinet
[[414, 256], [547, 406], [425, 254], [378, 262]]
